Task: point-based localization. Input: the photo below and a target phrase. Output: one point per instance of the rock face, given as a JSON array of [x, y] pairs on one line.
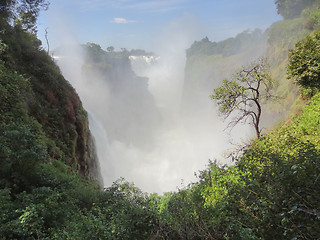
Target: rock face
[[49, 102], [125, 106], [208, 63]]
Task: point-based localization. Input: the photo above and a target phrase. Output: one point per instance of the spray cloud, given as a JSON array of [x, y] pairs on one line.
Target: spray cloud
[[149, 131]]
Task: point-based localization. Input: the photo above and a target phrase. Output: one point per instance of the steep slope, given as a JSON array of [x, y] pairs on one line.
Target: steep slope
[[129, 114], [208, 63], [46, 103], [271, 191]]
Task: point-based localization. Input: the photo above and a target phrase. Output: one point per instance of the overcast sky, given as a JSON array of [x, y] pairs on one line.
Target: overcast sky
[[135, 24]]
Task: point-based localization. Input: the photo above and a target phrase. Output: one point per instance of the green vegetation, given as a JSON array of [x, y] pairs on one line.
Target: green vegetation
[[292, 9], [34, 85], [226, 47], [244, 94], [270, 193], [49, 175], [22, 12], [47, 168], [208, 63], [304, 64]]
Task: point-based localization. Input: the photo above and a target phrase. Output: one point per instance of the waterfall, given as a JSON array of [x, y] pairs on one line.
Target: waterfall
[[102, 146]]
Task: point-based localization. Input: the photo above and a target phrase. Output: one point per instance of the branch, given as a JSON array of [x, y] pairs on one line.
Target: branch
[[46, 36], [313, 213], [234, 122]]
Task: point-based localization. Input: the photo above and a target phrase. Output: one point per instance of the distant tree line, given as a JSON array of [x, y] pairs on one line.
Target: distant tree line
[[226, 47], [95, 51]]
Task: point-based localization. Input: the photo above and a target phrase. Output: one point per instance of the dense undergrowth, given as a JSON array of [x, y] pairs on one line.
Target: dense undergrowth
[[271, 192]]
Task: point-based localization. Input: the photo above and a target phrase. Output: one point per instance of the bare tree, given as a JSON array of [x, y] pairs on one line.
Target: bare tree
[[47, 40]]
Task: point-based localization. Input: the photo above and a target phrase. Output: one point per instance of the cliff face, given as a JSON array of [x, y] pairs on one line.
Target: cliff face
[[47, 103], [208, 63], [119, 98]]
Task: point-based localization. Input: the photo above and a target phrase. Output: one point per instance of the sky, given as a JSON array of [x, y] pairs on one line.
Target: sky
[[138, 24]]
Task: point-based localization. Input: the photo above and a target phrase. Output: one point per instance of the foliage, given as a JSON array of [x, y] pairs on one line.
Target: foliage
[[282, 170], [23, 12], [304, 64], [292, 8], [282, 36], [110, 49], [244, 94], [226, 47], [140, 52], [21, 151], [272, 192], [312, 18], [2, 47], [41, 94]]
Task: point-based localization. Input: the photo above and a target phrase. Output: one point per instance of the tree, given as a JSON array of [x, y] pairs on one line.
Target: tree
[[244, 93], [110, 49], [304, 64], [21, 151], [24, 12], [292, 8]]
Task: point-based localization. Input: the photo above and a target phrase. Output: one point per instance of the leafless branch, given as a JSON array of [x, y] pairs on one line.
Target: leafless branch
[[46, 36]]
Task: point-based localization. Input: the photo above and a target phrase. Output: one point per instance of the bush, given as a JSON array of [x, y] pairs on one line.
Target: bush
[[304, 64]]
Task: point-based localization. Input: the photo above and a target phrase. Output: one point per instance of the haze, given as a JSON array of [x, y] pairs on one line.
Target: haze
[[184, 141]]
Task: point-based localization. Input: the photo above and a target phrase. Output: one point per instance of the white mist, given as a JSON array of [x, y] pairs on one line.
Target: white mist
[[185, 141]]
